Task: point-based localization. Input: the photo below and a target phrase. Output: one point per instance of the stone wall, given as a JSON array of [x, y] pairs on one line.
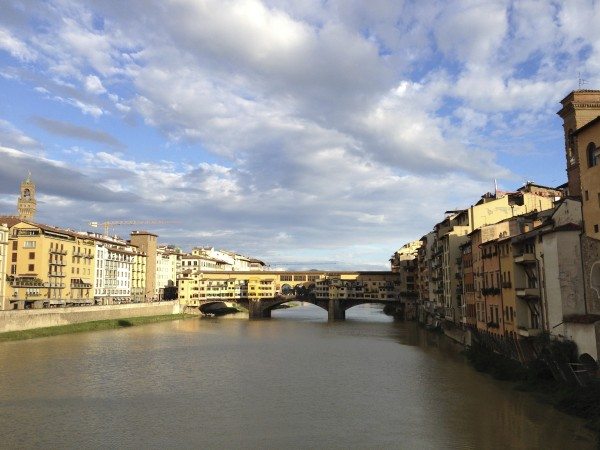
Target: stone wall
[[591, 257], [18, 320]]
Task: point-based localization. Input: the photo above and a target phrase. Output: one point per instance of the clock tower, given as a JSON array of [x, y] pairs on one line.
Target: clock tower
[[26, 204]]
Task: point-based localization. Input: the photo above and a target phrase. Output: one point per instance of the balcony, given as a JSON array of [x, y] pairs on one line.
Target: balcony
[[490, 291], [58, 252], [506, 284], [57, 274], [528, 332], [528, 293], [57, 263], [525, 258], [25, 282]]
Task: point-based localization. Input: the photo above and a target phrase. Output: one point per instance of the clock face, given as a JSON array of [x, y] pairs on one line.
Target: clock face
[[27, 193]]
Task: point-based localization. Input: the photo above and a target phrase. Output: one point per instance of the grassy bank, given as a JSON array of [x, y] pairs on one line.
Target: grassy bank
[[96, 325]]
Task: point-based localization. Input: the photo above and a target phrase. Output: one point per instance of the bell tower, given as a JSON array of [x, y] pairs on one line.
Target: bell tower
[[26, 205], [578, 108]]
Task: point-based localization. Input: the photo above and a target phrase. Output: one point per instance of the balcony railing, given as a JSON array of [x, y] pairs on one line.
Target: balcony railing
[[506, 284], [58, 252], [525, 258], [528, 332], [528, 292], [490, 291]]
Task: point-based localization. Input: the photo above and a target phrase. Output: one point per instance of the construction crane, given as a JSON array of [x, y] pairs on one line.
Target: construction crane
[[108, 224]]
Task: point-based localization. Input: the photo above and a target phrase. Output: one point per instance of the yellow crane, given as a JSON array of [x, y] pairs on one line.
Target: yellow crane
[[108, 224]]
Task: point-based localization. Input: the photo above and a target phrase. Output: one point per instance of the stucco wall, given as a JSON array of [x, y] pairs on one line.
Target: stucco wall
[[585, 336], [38, 318], [563, 277]]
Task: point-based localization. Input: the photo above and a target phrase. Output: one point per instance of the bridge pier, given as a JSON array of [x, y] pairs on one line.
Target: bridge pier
[[256, 310], [336, 311]]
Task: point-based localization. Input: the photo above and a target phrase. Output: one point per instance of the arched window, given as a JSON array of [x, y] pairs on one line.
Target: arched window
[[593, 154]]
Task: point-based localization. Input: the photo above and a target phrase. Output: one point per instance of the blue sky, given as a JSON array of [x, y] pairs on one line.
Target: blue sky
[[299, 130]]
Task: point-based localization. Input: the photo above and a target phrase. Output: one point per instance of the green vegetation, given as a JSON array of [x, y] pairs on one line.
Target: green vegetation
[[96, 325]]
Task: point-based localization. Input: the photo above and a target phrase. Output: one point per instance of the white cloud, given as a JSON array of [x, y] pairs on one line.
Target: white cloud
[[332, 121], [11, 136], [94, 85], [15, 46]]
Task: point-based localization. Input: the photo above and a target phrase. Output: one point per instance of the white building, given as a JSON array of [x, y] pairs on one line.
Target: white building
[[114, 260], [166, 269], [230, 260]]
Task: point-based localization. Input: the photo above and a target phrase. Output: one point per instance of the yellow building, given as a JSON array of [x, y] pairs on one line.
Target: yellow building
[[138, 276], [147, 243], [47, 266], [588, 139], [196, 287], [453, 232]]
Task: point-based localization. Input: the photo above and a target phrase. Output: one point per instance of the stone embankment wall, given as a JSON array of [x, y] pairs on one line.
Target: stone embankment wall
[[19, 320]]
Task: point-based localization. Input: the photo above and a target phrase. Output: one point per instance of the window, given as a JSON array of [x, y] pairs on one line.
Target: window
[[593, 154], [29, 244], [587, 196], [596, 228], [14, 257], [31, 255], [15, 243], [31, 267]]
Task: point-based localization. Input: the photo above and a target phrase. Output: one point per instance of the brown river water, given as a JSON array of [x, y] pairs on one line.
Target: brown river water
[[293, 381]]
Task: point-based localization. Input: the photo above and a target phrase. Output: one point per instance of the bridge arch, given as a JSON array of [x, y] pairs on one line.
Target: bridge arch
[[270, 305]]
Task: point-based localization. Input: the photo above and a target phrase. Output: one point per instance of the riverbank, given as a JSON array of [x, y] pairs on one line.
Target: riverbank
[[21, 320], [537, 379], [96, 325]]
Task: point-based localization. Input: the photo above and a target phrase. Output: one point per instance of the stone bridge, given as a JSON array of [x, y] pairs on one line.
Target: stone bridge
[[261, 308]]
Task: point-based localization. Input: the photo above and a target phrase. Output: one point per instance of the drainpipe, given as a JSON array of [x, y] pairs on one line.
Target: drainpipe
[[581, 234], [501, 289], [544, 297]]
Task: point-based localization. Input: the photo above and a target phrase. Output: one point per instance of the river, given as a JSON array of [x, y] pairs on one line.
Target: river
[[293, 381]]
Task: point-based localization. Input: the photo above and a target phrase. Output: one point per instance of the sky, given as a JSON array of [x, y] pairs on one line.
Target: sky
[[315, 133]]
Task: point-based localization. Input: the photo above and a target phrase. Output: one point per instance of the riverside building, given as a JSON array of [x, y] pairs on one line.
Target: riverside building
[[3, 253]]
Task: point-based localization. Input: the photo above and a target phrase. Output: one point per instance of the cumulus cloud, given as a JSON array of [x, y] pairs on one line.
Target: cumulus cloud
[[328, 125]]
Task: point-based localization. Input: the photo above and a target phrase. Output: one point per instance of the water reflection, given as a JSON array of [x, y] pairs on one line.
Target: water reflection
[[294, 381]]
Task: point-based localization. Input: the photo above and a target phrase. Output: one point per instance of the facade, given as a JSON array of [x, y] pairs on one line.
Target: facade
[[138, 275], [227, 260], [48, 267], [3, 258], [146, 243], [467, 278], [196, 287], [114, 271], [166, 270], [453, 231]]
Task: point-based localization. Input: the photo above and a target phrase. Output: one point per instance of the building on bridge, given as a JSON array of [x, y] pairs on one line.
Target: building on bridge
[[196, 288]]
